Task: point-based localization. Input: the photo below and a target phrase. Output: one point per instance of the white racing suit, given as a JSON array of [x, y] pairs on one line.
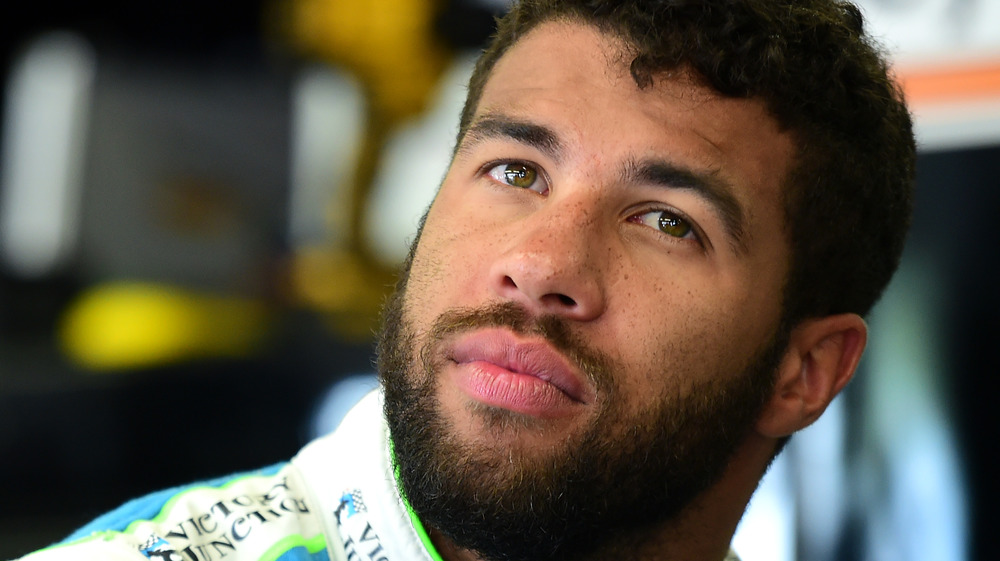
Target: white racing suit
[[335, 501]]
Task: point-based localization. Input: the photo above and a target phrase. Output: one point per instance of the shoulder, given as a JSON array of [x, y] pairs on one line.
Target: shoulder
[[276, 513], [243, 516]]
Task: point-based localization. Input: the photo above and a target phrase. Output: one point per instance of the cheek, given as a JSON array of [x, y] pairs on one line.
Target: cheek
[[679, 336], [449, 267]]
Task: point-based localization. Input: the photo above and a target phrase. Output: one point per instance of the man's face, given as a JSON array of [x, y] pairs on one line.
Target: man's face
[[589, 319]]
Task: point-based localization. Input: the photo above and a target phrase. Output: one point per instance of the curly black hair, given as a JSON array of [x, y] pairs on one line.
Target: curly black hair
[[848, 197]]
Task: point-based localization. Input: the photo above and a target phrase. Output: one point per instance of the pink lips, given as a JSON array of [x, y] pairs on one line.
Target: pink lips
[[501, 369]]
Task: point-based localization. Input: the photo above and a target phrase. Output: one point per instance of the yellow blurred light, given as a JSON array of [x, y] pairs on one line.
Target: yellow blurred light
[[130, 325], [389, 44]]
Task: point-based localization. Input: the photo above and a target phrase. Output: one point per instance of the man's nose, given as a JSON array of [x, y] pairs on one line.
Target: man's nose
[[549, 265]]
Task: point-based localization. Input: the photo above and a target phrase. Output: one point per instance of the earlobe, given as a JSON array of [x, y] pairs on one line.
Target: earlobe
[[821, 357]]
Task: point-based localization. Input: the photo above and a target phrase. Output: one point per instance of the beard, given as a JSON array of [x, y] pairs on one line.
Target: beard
[[597, 493]]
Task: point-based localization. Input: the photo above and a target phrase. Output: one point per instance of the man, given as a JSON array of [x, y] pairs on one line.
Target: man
[[646, 268]]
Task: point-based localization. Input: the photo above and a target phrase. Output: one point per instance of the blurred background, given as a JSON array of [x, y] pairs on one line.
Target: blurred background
[[203, 206]]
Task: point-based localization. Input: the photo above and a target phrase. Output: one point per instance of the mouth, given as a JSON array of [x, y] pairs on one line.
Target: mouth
[[519, 372]]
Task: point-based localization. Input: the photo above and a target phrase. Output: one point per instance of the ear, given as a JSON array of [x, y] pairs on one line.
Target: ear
[[821, 357]]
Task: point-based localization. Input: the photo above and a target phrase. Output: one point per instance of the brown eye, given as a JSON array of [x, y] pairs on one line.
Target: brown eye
[[670, 223], [673, 225], [517, 175]]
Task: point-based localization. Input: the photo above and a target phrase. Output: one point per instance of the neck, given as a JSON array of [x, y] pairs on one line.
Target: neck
[[702, 532]]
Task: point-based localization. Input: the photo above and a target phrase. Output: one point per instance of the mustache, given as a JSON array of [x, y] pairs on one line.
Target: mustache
[[594, 364]]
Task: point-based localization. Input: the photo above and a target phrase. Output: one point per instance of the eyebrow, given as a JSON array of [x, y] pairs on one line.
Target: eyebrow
[[495, 126], [717, 192]]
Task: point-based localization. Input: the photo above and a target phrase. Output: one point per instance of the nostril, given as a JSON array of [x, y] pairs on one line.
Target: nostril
[[543, 294], [566, 300]]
